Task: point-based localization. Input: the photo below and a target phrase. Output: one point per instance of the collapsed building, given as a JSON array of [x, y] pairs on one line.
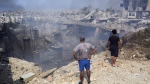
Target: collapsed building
[[45, 41], [136, 9], [48, 37]]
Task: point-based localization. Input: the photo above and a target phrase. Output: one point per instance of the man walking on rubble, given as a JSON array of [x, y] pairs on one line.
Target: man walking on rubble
[[114, 46], [85, 51]]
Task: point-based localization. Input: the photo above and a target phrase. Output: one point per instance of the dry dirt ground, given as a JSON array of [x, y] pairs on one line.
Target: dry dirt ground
[[128, 72]]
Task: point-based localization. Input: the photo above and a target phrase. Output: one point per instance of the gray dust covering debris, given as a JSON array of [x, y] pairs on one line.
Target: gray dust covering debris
[[39, 36]]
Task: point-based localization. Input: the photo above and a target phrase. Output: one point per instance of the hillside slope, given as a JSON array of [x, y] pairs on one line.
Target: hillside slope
[[128, 72], [138, 44], [134, 66]]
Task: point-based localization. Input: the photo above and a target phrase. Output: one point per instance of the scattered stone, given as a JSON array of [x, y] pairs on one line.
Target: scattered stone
[[49, 78]]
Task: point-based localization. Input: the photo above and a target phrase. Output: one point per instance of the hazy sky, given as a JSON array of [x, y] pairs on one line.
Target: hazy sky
[[53, 4], [61, 4]]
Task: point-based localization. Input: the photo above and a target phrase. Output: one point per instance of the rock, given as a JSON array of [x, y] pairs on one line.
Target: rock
[[65, 83], [71, 79], [49, 78], [122, 52], [71, 74], [133, 56], [136, 74], [77, 74], [106, 61], [73, 83]]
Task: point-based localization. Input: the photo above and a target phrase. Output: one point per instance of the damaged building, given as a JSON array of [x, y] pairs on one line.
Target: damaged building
[[48, 37], [48, 41], [136, 9]]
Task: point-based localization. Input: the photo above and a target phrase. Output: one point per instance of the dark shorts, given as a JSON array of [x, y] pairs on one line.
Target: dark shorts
[[114, 51], [84, 63]]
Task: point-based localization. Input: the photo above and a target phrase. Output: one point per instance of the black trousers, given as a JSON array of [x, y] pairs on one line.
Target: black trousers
[[114, 50]]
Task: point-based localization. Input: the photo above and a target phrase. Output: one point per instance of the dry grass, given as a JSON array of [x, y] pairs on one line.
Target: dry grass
[[137, 43]]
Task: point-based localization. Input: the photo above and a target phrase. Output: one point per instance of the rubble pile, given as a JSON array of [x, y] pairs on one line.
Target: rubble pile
[[38, 80], [11, 72], [20, 67], [47, 38], [36, 33], [40, 16], [137, 44], [102, 72], [129, 71]]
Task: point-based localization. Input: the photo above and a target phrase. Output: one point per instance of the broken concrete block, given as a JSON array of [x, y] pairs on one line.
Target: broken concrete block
[[27, 77]]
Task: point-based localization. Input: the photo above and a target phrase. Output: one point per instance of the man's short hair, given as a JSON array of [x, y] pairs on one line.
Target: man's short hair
[[82, 39], [114, 31]]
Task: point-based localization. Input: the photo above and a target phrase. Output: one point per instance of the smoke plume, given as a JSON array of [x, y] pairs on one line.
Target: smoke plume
[[62, 4], [9, 5], [57, 4], [115, 4]]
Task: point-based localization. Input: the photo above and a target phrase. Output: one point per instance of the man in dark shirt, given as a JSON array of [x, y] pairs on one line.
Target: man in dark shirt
[[114, 45]]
